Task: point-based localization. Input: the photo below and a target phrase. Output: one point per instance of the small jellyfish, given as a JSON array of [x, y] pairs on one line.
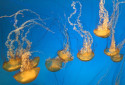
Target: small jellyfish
[[113, 50], [65, 54], [13, 64], [86, 53], [27, 73], [54, 64], [117, 58], [103, 27]]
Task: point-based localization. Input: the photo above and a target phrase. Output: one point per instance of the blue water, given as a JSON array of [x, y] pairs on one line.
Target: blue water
[[101, 70]]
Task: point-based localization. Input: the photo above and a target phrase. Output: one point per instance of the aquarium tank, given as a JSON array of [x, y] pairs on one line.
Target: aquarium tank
[[62, 42]]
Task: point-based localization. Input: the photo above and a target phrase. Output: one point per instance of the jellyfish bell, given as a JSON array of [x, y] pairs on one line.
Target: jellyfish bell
[[28, 72], [27, 76], [113, 50], [86, 53], [110, 52], [65, 55], [35, 61], [12, 65], [85, 56], [54, 64], [104, 33], [103, 29], [117, 58]]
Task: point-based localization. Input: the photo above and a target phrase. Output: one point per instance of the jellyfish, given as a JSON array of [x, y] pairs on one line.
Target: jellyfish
[[54, 64], [119, 56], [86, 53], [65, 54], [12, 65], [15, 52], [114, 50], [103, 27], [27, 73]]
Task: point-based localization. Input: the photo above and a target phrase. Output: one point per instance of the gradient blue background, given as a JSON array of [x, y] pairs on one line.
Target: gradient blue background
[[76, 72]]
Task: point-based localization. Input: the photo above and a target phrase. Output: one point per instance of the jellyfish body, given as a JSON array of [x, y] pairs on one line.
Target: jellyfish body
[[87, 56], [12, 65], [117, 58], [54, 64], [104, 33], [86, 53], [103, 27], [27, 73], [13, 62], [113, 50], [65, 56], [35, 61], [27, 76]]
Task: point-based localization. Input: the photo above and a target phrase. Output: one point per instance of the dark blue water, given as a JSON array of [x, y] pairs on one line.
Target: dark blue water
[[101, 70]]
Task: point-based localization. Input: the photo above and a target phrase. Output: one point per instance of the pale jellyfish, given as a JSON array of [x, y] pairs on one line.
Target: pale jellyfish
[[54, 64]]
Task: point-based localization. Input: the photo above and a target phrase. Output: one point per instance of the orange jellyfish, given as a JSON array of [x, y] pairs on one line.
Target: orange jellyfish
[[14, 60], [54, 64], [117, 58], [13, 64], [86, 53], [27, 73], [113, 50], [103, 27], [65, 54], [35, 61]]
